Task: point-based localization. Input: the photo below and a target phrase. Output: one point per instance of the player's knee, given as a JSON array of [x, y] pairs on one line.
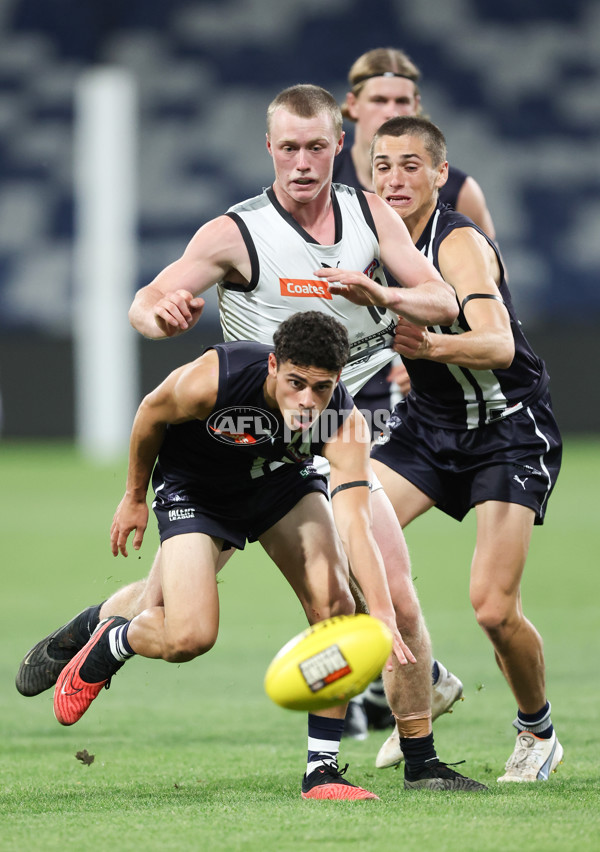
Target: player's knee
[[496, 618], [344, 603], [339, 603], [188, 645]]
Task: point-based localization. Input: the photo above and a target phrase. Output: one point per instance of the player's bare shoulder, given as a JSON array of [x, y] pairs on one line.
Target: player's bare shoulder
[[220, 244], [195, 387], [465, 248]]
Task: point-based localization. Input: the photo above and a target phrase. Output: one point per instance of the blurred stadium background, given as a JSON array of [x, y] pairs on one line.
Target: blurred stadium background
[[514, 85]]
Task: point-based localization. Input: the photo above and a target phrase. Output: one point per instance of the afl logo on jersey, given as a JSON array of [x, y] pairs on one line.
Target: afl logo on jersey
[[305, 287], [242, 425]]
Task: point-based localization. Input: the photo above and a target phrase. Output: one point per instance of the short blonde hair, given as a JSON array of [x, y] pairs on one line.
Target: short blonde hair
[[381, 62], [306, 101]]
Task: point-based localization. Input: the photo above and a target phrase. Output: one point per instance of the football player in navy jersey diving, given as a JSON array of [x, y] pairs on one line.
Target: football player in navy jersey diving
[[219, 487]]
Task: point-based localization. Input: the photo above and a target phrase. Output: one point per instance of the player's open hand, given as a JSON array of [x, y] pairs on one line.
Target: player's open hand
[[130, 515], [410, 340], [400, 649], [178, 311], [354, 286]]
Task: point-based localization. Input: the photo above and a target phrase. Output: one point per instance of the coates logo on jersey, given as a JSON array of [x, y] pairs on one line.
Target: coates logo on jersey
[[305, 287], [242, 425]]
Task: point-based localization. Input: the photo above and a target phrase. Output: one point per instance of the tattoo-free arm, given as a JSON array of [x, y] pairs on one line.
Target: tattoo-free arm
[[170, 304], [188, 393], [348, 456], [468, 262]]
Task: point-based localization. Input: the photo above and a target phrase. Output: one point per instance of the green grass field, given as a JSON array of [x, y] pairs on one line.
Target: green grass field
[[197, 757]]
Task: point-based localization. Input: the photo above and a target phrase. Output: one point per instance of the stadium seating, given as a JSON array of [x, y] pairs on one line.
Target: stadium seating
[[513, 85]]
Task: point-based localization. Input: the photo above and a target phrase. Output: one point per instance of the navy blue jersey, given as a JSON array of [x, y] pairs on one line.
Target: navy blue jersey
[[448, 193], [375, 394], [243, 440], [458, 397], [344, 172]]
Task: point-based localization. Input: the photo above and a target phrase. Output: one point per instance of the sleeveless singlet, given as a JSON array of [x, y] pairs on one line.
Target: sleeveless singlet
[[284, 258]]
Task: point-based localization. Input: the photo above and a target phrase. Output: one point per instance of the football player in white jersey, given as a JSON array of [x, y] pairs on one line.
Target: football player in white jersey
[[297, 226], [304, 133]]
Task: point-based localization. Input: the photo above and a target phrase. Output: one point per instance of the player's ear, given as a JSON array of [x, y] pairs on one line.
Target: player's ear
[[442, 176], [340, 143], [268, 141], [272, 364], [351, 105]]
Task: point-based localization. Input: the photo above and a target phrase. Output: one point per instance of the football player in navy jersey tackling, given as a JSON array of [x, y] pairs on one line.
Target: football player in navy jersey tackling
[[219, 484], [383, 84], [477, 428]]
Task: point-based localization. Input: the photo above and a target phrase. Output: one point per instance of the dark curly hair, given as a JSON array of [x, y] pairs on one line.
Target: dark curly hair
[[312, 339]]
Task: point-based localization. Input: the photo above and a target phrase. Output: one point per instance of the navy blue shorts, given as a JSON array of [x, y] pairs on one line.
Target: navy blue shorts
[[514, 460], [236, 514]]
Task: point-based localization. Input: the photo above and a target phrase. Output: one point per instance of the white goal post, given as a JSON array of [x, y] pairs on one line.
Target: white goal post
[[105, 260]]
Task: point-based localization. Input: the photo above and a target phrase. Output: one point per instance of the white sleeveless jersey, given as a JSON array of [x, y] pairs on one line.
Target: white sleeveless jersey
[[284, 258]]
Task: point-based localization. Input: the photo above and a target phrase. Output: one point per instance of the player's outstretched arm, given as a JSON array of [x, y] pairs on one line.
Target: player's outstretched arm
[[348, 456], [426, 304], [188, 393], [424, 296], [171, 303]]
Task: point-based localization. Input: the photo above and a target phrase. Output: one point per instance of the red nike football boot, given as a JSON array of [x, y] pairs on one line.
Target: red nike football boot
[[86, 674], [326, 782]]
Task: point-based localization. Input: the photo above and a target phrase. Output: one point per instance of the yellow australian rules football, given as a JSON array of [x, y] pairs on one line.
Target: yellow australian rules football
[[328, 663]]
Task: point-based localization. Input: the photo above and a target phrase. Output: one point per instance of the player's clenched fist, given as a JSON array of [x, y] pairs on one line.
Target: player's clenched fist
[[410, 340]]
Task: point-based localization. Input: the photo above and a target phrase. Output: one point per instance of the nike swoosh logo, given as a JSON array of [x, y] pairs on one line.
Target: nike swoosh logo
[[63, 690]]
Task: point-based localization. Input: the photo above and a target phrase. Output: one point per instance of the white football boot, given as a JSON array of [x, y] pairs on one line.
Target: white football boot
[[533, 758], [444, 693]]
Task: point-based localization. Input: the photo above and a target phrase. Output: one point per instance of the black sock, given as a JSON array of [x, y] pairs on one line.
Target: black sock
[[417, 752], [75, 634], [108, 654], [89, 620]]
